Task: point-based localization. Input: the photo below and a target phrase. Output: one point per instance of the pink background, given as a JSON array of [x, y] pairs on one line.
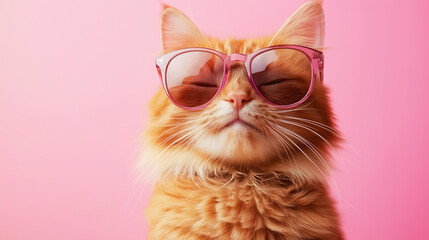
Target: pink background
[[76, 76]]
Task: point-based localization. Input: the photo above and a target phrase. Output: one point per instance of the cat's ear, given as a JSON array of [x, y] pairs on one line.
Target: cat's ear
[[306, 27], [178, 31]]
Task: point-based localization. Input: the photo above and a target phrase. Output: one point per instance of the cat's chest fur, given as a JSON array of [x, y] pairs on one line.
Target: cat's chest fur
[[245, 206]]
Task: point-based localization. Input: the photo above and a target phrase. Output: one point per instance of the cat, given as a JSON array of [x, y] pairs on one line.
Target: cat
[[221, 180]]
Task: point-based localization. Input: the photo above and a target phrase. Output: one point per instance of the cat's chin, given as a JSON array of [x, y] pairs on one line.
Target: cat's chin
[[238, 142]]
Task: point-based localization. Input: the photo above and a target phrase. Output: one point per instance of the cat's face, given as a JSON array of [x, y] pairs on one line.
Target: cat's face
[[238, 127]]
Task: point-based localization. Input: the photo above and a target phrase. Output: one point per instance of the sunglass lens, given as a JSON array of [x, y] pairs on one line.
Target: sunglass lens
[[282, 76], [193, 78]]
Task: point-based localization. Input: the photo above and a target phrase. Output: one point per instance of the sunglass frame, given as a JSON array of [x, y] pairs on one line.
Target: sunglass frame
[[315, 57]]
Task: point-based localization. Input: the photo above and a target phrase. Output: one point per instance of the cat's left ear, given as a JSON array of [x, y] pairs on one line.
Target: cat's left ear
[[306, 27]]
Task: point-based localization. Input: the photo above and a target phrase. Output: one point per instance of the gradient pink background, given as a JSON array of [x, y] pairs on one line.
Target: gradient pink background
[[76, 76]]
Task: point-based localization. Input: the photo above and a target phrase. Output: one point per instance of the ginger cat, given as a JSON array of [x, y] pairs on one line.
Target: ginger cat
[[262, 177]]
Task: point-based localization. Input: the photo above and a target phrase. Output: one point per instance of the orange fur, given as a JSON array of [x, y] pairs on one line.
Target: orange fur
[[242, 206], [268, 182]]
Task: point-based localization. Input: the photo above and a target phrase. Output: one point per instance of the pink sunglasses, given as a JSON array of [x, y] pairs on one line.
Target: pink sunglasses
[[282, 75]]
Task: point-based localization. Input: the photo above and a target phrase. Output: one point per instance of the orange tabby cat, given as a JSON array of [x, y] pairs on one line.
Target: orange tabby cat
[[216, 180]]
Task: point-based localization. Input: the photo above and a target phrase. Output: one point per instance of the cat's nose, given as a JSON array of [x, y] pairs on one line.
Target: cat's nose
[[238, 99]]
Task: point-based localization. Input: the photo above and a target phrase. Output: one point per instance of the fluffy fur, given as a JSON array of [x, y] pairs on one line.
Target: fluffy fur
[[235, 182]]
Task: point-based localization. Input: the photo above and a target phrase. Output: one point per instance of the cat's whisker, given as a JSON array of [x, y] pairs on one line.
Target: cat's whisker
[[283, 143], [133, 193], [309, 129], [146, 175], [177, 141], [307, 143], [294, 110], [187, 144], [145, 180], [137, 189], [173, 135], [319, 124], [180, 123], [312, 148], [280, 130], [276, 148], [173, 127]]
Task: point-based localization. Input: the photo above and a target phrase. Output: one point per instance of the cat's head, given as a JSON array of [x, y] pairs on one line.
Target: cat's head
[[296, 138]]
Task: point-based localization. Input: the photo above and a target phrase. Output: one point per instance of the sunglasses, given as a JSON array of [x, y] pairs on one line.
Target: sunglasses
[[282, 75]]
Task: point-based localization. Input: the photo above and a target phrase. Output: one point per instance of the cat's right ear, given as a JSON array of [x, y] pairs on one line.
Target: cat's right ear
[[178, 31]]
